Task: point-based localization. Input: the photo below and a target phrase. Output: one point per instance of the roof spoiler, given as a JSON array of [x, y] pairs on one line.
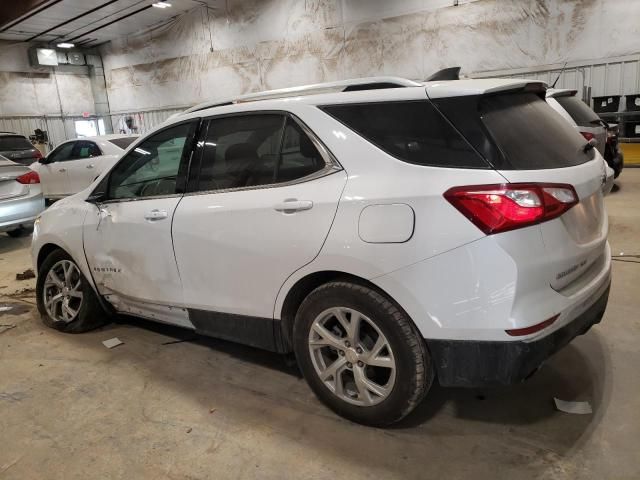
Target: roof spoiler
[[451, 73]]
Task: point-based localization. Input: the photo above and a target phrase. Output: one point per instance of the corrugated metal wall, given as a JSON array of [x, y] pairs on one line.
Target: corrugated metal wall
[[141, 121], [60, 128], [616, 76]]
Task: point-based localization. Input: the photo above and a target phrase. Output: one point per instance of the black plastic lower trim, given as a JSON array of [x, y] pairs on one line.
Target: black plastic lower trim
[[462, 363], [253, 331]]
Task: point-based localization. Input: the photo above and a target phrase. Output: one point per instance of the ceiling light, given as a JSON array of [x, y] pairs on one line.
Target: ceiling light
[[161, 4], [66, 45]]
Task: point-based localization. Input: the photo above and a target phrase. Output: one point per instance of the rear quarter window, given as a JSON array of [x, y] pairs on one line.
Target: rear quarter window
[[579, 111], [15, 142], [411, 131]]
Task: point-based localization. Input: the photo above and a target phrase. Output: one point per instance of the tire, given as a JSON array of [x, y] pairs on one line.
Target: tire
[[406, 383], [89, 313], [20, 232]]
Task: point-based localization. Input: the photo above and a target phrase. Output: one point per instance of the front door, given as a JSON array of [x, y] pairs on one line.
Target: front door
[[53, 173], [261, 208], [128, 241]]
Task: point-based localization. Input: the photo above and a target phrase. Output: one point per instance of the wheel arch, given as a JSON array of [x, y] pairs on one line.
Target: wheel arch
[[45, 251], [304, 286]]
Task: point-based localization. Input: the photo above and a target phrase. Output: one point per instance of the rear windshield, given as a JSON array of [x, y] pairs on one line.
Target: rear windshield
[[412, 131], [15, 142], [579, 111], [123, 142], [530, 134]]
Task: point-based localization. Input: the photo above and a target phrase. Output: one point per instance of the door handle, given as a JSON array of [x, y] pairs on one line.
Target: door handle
[[62, 170], [155, 214], [293, 205], [90, 165]]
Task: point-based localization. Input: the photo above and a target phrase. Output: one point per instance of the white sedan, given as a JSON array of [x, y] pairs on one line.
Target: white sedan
[[74, 164]]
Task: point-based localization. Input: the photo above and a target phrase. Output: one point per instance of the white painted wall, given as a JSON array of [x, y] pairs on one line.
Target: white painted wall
[[264, 44], [28, 91]]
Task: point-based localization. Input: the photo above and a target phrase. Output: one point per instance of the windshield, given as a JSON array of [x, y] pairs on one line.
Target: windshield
[[530, 134], [14, 142], [579, 111]]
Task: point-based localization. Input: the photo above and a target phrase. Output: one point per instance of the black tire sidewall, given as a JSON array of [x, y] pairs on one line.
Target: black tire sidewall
[[372, 304], [91, 314]]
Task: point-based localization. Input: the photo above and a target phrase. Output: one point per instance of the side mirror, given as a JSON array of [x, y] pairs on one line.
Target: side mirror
[[43, 161]]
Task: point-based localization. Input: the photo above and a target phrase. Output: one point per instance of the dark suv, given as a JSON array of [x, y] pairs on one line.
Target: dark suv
[[18, 148]]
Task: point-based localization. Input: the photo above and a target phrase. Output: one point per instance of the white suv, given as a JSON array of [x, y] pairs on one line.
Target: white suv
[[389, 233]]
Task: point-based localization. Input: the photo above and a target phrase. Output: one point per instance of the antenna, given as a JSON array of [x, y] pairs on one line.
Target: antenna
[[558, 77]]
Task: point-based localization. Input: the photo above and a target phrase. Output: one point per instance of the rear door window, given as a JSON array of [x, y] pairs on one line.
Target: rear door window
[[240, 151], [412, 131], [579, 111], [255, 150], [85, 149], [530, 134]]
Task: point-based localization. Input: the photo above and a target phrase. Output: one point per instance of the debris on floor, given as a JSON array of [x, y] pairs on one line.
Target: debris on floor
[[6, 326], [26, 275], [578, 408], [25, 292], [112, 342], [14, 309], [189, 430]]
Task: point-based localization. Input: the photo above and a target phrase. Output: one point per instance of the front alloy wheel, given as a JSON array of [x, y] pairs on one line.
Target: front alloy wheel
[[66, 300], [62, 293]]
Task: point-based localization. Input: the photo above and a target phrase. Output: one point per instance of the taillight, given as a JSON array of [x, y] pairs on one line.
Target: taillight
[[588, 135], [28, 178], [37, 154], [500, 208]]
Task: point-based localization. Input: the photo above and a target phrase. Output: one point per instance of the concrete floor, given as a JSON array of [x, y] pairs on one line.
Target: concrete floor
[[70, 408]]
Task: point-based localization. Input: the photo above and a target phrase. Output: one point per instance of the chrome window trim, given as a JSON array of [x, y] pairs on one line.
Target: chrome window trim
[[139, 199]]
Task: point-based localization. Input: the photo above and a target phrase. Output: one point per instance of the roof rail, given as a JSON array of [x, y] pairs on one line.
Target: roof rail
[[366, 83]]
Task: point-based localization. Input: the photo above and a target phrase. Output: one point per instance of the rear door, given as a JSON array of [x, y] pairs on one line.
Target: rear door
[[537, 145], [260, 207]]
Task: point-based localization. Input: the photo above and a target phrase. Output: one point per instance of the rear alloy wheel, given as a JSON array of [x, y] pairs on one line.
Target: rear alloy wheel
[[66, 300], [361, 354], [352, 356]]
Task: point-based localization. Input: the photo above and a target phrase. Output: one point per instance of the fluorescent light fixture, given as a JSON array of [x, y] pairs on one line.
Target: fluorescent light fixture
[[66, 45], [161, 4]]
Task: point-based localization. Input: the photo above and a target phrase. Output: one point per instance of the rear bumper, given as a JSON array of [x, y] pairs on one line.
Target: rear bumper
[[20, 211], [464, 363]]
